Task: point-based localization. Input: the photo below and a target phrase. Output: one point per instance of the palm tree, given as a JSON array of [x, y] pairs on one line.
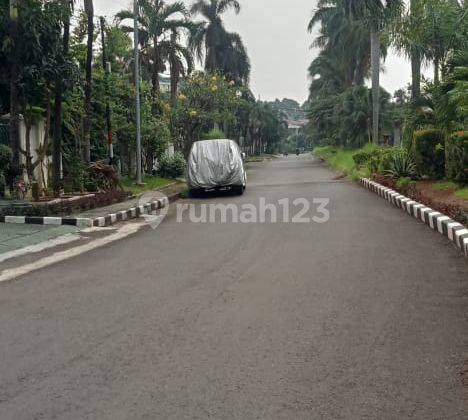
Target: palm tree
[[345, 37], [89, 10], [14, 90], [212, 35], [235, 62], [377, 15], [67, 8], [156, 20], [180, 61]]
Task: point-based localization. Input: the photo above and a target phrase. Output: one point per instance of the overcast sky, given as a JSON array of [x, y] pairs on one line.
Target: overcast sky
[[276, 37]]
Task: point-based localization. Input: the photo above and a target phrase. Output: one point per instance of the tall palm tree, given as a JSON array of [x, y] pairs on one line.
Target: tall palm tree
[[156, 20], [235, 62], [89, 10], [407, 38], [67, 10], [180, 61], [14, 90], [345, 37], [211, 38], [377, 14]]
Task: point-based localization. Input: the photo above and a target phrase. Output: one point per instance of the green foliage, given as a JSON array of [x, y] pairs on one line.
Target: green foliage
[[456, 157], [151, 183], [204, 100], [428, 151], [214, 134], [405, 182], [400, 165], [224, 51], [172, 166], [5, 157]]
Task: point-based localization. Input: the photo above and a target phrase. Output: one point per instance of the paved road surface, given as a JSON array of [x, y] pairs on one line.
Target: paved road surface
[[362, 317]]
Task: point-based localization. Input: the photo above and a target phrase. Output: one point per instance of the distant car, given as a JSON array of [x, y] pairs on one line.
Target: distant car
[[216, 165]]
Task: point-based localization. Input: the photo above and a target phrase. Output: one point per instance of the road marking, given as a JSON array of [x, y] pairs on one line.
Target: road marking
[[31, 249], [122, 232]]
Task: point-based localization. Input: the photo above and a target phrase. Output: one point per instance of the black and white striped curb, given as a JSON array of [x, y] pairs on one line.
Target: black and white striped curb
[[54, 221], [131, 213], [437, 221], [82, 222]]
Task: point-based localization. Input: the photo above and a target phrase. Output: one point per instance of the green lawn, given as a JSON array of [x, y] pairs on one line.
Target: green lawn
[[341, 160], [452, 186], [462, 193], [151, 183]]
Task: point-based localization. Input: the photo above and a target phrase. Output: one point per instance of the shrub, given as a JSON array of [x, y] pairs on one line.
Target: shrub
[[405, 183], [401, 165], [2, 185], [456, 157], [429, 153], [213, 135], [5, 157], [171, 166], [361, 158]]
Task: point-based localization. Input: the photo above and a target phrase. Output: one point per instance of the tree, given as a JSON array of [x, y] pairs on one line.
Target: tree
[[180, 62], [156, 20], [66, 11], [377, 15], [223, 52], [14, 70], [89, 10]]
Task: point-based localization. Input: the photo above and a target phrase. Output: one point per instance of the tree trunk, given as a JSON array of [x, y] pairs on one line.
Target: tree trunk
[[14, 91], [156, 67], [174, 69], [436, 71], [415, 75], [89, 9], [57, 139], [375, 68], [415, 56]]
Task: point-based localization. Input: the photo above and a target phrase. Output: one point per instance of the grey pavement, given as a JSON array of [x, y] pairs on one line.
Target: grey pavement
[[363, 317], [15, 236]]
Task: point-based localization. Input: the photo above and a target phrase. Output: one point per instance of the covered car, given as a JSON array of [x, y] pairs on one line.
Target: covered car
[[216, 165]]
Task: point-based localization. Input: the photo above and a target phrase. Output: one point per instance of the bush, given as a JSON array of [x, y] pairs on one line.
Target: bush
[[405, 183], [456, 157], [2, 185], [5, 157], [361, 158], [429, 153], [171, 166], [213, 135], [401, 165]]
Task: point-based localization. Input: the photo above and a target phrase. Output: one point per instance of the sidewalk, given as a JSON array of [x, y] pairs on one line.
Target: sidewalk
[[16, 236]]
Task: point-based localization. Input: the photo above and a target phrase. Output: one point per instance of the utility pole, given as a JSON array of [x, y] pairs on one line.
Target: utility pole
[[137, 91], [107, 68]]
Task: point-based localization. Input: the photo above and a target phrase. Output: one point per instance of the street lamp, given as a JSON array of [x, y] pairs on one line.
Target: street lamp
[[137, 90]]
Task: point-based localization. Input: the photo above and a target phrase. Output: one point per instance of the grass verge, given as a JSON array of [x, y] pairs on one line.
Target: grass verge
[[151, 183], [341, 160]]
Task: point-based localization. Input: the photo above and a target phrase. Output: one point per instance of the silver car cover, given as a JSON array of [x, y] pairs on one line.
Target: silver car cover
[[215, 163]]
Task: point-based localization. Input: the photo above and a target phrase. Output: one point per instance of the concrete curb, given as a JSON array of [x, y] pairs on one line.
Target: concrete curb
[[439, 222], [108, 220]]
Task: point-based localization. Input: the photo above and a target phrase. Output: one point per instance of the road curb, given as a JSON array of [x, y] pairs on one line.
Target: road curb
[[104, 221], [454, 231]]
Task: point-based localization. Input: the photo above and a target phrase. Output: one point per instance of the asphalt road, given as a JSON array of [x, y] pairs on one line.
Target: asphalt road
[[363, 317]]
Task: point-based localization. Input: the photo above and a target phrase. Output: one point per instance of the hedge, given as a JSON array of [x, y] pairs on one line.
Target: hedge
[[456, 157], [429, 155]]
